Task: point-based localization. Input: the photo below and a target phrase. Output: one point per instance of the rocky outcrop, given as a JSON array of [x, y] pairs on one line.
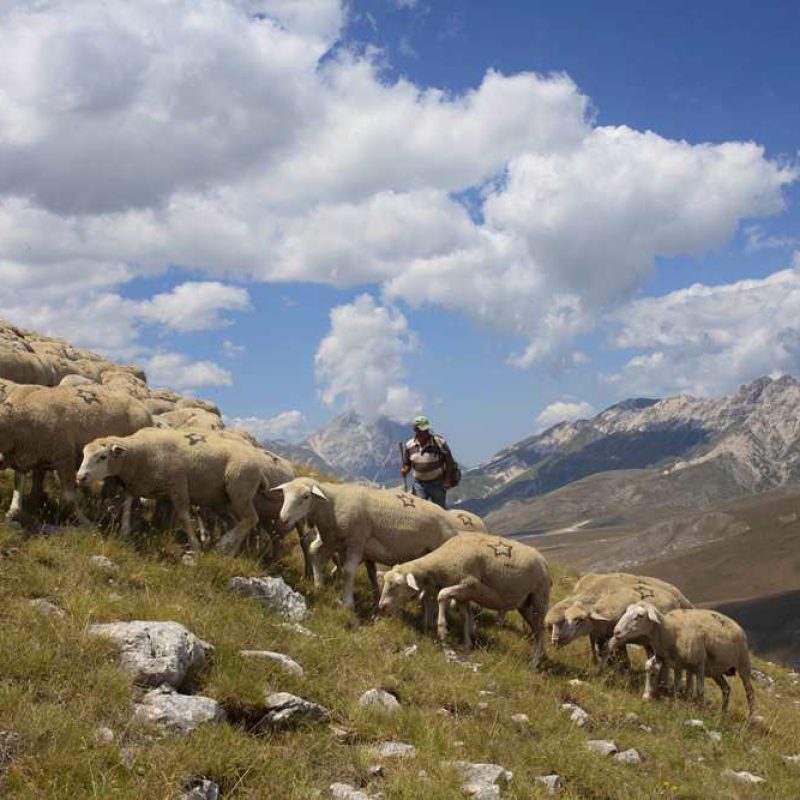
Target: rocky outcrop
[[156, 653], [274, 594]]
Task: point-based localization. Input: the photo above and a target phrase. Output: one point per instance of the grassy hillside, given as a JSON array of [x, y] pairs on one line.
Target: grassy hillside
[[57, 686]]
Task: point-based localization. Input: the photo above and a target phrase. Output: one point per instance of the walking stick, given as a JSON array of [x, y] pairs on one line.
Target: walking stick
[[402, 463]]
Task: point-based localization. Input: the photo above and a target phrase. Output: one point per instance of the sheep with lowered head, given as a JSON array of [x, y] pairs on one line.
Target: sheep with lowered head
[[362, 523], [704, 643], [493, 572], [597, 603], [186, 467]]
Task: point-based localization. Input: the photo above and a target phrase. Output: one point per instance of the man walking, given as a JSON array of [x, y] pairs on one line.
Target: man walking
[[429, 456]]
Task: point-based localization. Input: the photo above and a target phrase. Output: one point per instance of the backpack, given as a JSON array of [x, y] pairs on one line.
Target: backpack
[[455, 472]]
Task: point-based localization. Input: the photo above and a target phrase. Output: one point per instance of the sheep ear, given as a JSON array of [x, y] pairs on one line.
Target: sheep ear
[[412, 582], [279, 488], [315, 490], [598, 617], [117, 449], [652, 615]]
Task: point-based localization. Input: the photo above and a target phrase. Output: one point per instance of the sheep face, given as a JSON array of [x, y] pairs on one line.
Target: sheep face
[[100, 460], [637, 622], [298, 496], [397, 589], [577, 622]]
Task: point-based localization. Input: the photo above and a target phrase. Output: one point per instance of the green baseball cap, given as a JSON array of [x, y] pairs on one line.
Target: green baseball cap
[[421, 423]]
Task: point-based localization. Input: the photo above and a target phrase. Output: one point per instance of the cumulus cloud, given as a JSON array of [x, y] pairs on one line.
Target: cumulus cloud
[[178, 371], [195, 306], [241, 138], [288, 425], [707, 340], [563, 411], [360, 361]]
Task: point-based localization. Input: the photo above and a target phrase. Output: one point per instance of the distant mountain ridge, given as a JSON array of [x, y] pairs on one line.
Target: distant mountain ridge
[[351, 447], [748, 441]]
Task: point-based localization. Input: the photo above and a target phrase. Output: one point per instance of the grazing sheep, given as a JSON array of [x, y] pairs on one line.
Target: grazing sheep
[[188, 468], [361, 523], [597, 603], [74, 379], [22, 366], [181, 418], [47, 428], [467, 522], [702, 642], [493, 572]]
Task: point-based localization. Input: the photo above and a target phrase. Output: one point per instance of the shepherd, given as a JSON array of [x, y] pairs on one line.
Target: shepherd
[[428, 455]]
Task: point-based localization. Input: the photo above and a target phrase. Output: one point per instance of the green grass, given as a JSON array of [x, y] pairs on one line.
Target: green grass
[[57, 686]]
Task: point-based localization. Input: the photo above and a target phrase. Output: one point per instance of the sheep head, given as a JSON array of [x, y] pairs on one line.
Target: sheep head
[[101, 459], [638, 622], [298, 499], [398, 587]]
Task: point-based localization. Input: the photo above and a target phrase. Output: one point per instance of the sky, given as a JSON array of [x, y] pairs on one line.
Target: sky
[[503, 214]]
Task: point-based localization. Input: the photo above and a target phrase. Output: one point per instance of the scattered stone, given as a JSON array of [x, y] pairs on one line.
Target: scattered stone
[[273, 593], [646, 728], [486, 693], [553, 783], [284, 710], [444, 712], [189, 560], [394, 750], [204, 790], [423, 774], [576, 682], [694, 723], [10, 745], [632, 719], [296, 627], [342, 734], [156, 653], [630, 756], [458, 743], [103, 735], [742, 777], [792, 760], [411, 650], [521, 720], [455, 658], [762, 678], [344, 791], [44, 606], [380, 700], [482, 781], [580, 717], [177, 713], [715, 736], [482, 706], [288, 664], [603, 747], [376, 771], [104, 565]]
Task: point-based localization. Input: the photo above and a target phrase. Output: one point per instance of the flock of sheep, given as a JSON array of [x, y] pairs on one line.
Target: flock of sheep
[[90, 421]]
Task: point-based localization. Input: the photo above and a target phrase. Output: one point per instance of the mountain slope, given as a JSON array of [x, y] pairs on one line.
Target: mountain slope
[[752, 436]]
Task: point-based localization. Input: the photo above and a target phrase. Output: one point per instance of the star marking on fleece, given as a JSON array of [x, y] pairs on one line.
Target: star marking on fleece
[[466, 521], [87, 396], [501, 549], [408, 502], [194, 438], [644, 592]]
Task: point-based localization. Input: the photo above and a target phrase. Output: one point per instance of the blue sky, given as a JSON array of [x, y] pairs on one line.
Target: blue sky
[[469, 188]]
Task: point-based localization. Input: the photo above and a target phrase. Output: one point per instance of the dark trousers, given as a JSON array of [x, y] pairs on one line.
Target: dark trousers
[[431, 490]]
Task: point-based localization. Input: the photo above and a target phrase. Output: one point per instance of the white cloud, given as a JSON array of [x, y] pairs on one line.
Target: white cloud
[[757, 239], [796, 259], [231, 349], [288, 425], [177, 371], [195, 306], [707, 340], [215, 136], [563, 411], [361, 361]]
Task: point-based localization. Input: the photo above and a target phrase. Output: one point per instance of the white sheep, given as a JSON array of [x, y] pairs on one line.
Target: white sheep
[[47, 427], [703, 643], [362, 523], [493, 572], [187, 467], [599, 600]]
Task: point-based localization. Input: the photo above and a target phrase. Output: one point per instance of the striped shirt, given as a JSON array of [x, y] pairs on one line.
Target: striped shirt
[[429, 462]]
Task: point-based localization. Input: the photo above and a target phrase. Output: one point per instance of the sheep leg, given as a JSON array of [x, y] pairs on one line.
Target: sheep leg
[[350, 567], [690, 684], [125, 522], [318, 554], [429, 612], [470, 589], [651, 669], [69, 493], [243, 508], [700, 677], [372, 574], [594, 647], [744, 674], [726, 691], [15, 509], [533, 612], [182, 506], [468, 624], [36, 496], [304, 537]]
